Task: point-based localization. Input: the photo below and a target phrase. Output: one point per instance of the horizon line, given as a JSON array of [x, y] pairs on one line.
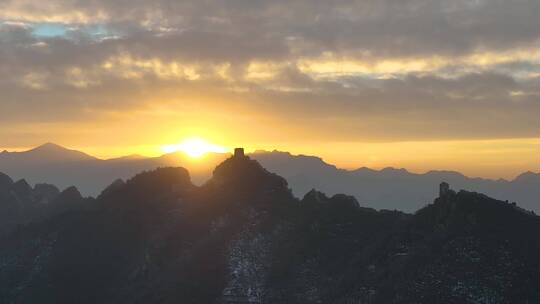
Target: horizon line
[[254, 151]]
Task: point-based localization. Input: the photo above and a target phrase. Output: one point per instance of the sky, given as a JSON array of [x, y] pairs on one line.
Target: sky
[[419, 84]]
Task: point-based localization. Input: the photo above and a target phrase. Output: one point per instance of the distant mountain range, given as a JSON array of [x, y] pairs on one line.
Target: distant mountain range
[[388, 188], [242, 237], [63, 167]]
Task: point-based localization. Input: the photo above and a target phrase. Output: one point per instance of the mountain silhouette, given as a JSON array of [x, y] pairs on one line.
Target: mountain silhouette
[[388, 188], [21, 204], [242, 237], [56, 165], [44, 154], [391, 188]]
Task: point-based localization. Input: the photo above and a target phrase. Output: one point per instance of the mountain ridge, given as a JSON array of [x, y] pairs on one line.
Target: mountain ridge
[[242, 237], [409, 190], [55, 147], [49, 152], [21, 203]]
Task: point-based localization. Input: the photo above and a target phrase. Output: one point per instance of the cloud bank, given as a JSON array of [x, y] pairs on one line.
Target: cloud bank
[[390, 70]]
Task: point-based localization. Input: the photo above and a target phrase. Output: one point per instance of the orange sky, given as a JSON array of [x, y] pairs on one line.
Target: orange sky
[[422, 85], [486, 158]]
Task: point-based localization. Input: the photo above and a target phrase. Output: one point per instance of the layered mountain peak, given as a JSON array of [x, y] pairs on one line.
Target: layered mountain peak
[[21, 204], [160, 180], [241, 173], [149, 186], [469, 210], [112, 188], [528, 177], [22, 188], [70, 194], [287, 164], [163, 181], [47, 153], [48, 147], [68, 200], [314, 196], [344, 200]]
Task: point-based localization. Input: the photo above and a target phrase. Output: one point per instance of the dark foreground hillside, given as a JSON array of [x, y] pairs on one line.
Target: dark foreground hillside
[[243, 238]]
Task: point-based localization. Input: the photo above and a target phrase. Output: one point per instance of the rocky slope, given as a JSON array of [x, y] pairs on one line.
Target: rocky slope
[[243, 238]]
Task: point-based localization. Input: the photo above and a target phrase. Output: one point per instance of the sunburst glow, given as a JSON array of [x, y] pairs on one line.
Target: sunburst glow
[[194, 147]]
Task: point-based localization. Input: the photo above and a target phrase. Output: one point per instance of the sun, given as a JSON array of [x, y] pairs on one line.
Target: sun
[[194, 147]]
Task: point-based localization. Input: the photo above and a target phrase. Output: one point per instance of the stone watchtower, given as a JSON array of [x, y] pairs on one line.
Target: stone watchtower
[[239, 153], [444, 189]]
